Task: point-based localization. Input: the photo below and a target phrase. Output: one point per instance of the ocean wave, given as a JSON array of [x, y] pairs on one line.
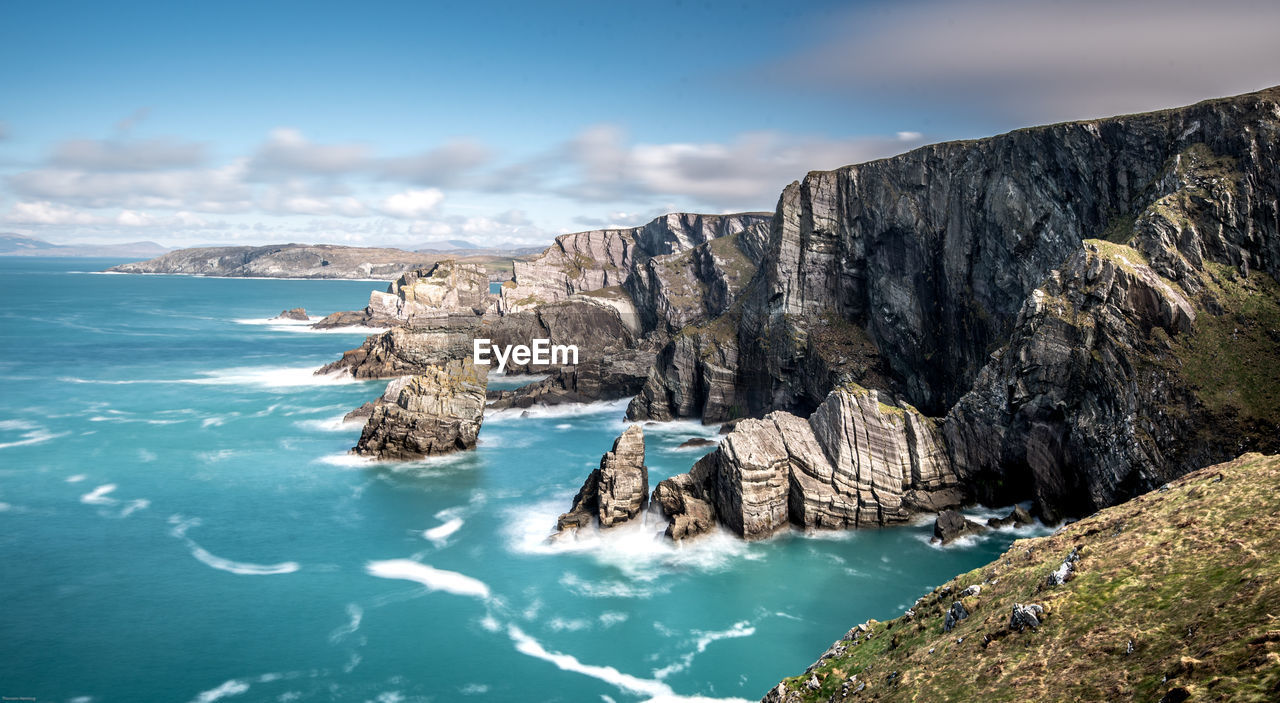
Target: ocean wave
[[433, 578], [637, 548], [28, 432], [602, 407], [305, 326], [233, 687], [337, 423], [274, 377]]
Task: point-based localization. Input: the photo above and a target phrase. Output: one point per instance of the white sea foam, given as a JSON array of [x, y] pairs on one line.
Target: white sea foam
[[233, 687], [337, 423], [702, 641], [98, 496], [434, 579], [305, 327], [637, 548], [273, 321], [29, 433], [568, 625], [439, 536], [604, 407], [180, 527], [657, 691], [134, 505], [610, 618], [271, 377], [354, 616], [240, 567], [347, 461], [76, 479]]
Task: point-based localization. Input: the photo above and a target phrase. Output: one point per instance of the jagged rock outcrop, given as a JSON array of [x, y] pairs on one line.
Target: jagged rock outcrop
[[421, 296], [587, 261], [856, 462], [695, 285], [616, 492], [293, 314], [436, 412]]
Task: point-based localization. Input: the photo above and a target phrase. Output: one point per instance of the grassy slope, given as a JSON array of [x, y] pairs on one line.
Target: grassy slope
[[1189, 574]]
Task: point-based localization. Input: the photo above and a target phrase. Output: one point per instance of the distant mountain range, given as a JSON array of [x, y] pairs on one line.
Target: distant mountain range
[[20, 245]]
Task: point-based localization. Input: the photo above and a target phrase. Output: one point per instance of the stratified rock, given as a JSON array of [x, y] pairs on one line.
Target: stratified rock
[[587, 261], [855, 462], [420, 297], [951, 525], [293, 314], [435, 412], [617, 491]]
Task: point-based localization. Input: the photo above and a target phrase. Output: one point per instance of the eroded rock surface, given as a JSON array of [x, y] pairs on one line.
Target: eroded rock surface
[[616, 492], [856, 462], [435, 412]]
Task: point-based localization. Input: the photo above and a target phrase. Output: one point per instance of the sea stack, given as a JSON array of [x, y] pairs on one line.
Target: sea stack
[[614, 493], [436, 412]]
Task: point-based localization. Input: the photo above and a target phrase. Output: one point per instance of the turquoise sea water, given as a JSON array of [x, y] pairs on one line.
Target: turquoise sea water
[[179, 521]]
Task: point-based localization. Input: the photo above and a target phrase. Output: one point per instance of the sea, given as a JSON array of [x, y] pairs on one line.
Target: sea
[[180, 520]]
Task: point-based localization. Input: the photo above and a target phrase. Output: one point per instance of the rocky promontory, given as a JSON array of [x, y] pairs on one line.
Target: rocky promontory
[[616, 492], [303, 261], [435, 412]]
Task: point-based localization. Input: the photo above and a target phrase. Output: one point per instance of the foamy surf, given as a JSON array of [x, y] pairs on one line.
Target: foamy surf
[[439, 536], [656, 691], [603, 407], [204, 556], [431, 577], [28, 433], [637, 548]]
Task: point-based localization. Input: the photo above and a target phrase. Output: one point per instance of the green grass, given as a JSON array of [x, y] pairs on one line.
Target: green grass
[[1190, 575]]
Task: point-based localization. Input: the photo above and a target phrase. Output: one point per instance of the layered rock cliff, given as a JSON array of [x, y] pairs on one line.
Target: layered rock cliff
[[436, 412], [424, 294], [958, 277], [616, 492], [587, 261], [856, 461]]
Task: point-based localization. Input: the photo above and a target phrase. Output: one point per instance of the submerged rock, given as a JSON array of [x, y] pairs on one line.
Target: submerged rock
[[615, 492], [436, 412], [1017, 518]]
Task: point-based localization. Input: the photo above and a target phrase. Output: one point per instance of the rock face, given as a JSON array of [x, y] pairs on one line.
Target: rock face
[[587, 261], [855, 462], [939, 276], [616, 492], [436, 412], [422, 296], [293, 314], [283, 261]]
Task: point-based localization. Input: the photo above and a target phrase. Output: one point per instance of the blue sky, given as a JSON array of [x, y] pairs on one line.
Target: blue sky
[[393, 123]]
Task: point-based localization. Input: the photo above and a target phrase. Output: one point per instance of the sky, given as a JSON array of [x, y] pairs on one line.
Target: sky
[[399, 123]]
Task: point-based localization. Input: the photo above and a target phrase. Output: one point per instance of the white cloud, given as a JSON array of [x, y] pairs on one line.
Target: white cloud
[[1035, 62], [130, 155], [412, 204], [47, 213], [287, 151]]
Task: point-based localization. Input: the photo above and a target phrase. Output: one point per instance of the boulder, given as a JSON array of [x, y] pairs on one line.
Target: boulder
[[292, 314], [1019, 517], [951, 525]]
